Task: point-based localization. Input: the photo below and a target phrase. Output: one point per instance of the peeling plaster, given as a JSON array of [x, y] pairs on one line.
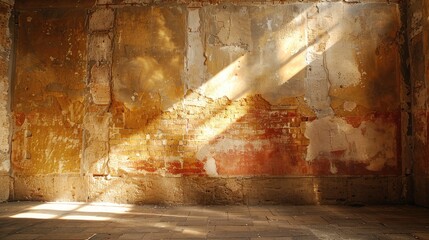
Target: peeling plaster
[[210, 167], [371, 143]]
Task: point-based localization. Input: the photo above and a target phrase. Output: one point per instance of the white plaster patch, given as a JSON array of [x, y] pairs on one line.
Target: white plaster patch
[[194, 20], [194, 61], [5, 166], [210, 167], [203, 153], [349, 106], [334, 139], [317, 82], [342, 61]]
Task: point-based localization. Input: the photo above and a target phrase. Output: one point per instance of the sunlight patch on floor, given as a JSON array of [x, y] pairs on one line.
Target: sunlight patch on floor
[[74, 211]]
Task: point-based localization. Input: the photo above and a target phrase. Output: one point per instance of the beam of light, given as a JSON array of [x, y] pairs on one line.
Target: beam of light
[[31, 215], [84, 218], [194, 232], [103, 208], [240, 77], [57, 206], [227, 82], [257, 71], [280, 61], [74, 211]]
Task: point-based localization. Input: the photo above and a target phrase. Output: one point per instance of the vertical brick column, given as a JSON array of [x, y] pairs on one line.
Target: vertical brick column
[[97, 116]]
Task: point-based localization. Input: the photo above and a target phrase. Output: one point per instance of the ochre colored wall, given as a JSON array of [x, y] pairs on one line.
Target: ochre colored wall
[[5, 70], [418, 28], [208, 102]]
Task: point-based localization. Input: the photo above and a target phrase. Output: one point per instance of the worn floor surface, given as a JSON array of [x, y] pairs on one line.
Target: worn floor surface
[[35, 220]]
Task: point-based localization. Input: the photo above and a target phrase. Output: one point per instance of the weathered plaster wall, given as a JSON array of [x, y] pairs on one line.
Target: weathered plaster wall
[[418, 14], [270, 92], [5, 70], [208, 102]]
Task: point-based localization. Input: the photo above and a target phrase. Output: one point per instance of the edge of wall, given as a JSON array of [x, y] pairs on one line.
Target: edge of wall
[[152, 189], [6, 127], [421, 192]]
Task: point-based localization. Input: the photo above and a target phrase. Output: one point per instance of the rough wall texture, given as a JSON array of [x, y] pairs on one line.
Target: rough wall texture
[[5, 60], [49, 91], [418, 14], [203, 102], [268, 94]]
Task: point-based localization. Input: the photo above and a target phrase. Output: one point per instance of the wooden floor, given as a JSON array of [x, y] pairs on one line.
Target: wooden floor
[[37, 220]]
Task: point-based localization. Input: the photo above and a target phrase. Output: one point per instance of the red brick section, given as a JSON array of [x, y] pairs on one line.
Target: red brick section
[[169, 142]]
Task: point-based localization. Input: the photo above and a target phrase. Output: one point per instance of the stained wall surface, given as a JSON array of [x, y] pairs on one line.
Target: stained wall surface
[[418, 14], [202, 102], [5, 69]]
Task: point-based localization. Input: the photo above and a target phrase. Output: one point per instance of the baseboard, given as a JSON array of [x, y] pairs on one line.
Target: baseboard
[[206, 190]]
